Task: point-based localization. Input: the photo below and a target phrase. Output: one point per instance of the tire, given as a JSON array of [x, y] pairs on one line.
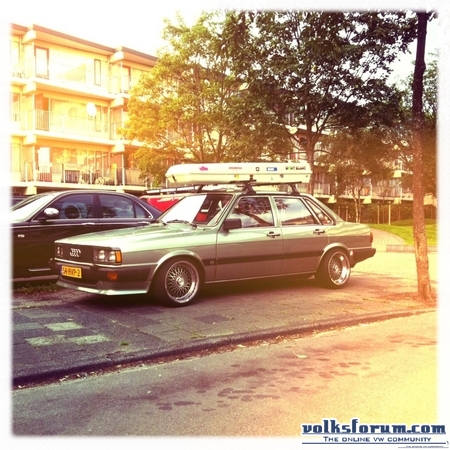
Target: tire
[[334, 270], [177, 282]]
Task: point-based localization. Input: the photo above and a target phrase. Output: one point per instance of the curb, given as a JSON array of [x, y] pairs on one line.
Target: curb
[[207, 344], [407, 248]]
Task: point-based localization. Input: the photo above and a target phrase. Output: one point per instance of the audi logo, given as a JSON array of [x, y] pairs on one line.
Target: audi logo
[[75, 252]]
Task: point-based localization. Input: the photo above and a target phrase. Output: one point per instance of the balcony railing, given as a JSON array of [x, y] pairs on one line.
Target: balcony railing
[[78, 77], [39, 120], [321, 188], [78, 174]]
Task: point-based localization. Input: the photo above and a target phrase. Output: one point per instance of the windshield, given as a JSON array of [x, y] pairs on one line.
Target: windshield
[[21, 211], [203, 209]]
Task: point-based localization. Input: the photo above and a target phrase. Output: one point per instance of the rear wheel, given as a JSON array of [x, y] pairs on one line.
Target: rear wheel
[[177, 282], [334, 270]]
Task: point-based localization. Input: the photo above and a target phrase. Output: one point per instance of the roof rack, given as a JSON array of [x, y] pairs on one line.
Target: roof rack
[[172, 190], [247, 186]]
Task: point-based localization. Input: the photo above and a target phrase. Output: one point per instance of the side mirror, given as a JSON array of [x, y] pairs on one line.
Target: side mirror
[[232, 224], [50, 213]]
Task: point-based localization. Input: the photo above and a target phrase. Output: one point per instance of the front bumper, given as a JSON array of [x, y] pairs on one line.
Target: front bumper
[[96, 279]]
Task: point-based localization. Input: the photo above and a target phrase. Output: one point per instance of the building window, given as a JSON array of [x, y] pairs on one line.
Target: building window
[[41, 55], [125, 79], [97, 72], [15, 102], [15, 59], [41, 105], [15, 159]]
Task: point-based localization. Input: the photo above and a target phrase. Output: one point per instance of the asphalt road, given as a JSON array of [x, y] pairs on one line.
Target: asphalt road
[[380, 373]]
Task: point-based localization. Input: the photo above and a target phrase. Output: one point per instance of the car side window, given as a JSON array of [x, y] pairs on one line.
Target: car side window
[[323, 216], [116, 206], [74, 206], [253, 212], [293, 211]]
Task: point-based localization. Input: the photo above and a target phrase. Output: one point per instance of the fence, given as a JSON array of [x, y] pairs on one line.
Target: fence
[[381, 213]]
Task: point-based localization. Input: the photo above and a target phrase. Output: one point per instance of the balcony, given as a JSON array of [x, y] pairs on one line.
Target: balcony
[[82, 78], [65, 126], [76, 176]]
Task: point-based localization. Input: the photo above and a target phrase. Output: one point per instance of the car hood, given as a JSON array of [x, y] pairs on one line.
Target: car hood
[[114, 238]]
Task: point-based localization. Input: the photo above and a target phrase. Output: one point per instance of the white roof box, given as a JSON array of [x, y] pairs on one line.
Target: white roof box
[[255, 172]]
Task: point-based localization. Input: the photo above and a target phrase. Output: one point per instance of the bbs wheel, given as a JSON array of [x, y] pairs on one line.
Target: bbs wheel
[[334, 270], [177, 282]]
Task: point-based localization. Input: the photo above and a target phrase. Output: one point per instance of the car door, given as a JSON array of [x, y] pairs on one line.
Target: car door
[[304, 237], [35, 246], [256, 249], [120, 211]]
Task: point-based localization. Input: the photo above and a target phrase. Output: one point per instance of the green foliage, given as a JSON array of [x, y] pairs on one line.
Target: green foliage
[[404, 229], [401, 135], [237, 86], [321, 70], [33, 288], [192, 106], [356, 159]]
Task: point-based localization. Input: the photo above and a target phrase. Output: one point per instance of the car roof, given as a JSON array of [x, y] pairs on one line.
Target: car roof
[[155, 212]]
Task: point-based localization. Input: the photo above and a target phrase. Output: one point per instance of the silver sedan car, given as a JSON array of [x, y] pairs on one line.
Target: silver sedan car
[[215, 236]]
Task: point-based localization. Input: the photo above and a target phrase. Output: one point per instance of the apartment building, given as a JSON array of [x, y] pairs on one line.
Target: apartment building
[[68, 104]]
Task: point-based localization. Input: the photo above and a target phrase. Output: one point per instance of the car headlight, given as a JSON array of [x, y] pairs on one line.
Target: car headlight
[[107, 255]]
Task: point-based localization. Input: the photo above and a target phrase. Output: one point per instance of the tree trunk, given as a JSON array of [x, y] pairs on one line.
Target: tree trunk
[[420, 237]]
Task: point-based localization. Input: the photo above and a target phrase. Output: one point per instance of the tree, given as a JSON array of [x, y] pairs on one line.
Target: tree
[[320, 70], [420, 237], [192, 107], [357, 159]]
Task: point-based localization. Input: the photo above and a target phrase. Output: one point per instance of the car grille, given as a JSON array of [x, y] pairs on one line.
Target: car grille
[[77, 253]]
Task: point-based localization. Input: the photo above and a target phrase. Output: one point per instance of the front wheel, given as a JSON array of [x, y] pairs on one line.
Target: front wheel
[[334, 270], [177, 282]]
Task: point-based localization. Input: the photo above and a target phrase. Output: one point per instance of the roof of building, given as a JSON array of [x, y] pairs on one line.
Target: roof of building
[[49, 35]]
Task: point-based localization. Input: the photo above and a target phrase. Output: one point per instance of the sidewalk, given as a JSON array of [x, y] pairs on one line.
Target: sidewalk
[[69, 333]]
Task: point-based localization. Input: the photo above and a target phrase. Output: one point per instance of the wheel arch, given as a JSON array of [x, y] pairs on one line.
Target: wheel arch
[[190, 256], [334, 246]]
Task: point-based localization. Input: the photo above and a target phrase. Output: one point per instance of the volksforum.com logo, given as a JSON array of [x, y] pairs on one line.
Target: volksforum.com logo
[[332, 432]]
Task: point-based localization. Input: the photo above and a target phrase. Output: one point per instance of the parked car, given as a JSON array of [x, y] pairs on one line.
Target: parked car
[[216, 236], [164, 198], [162, 202], [18, 198], [39, 220]]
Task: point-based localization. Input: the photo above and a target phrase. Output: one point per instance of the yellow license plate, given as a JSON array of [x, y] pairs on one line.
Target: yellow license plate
[[73, 272]]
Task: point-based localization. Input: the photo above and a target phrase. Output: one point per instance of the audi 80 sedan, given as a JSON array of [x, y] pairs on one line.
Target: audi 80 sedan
[[215, 236]]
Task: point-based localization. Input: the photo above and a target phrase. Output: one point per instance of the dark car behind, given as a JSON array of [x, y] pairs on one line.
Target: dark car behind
[[37, 221]]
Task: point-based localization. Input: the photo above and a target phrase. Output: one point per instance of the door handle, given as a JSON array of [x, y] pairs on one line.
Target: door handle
[[272, 234], [88, 224], [319, 231]]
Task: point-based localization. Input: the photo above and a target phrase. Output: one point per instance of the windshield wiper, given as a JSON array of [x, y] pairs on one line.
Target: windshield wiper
[[180, 221]]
